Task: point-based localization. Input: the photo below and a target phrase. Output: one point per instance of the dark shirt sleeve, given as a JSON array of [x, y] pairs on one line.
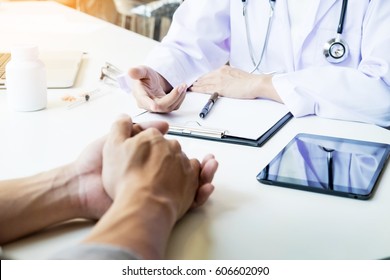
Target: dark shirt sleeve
[[95, 252]]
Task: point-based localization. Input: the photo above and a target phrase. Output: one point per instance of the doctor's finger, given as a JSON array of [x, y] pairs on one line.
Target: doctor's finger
[[170, 101], [142, 98], [206, 88], [138, 73], [145, 102], [178, 103]]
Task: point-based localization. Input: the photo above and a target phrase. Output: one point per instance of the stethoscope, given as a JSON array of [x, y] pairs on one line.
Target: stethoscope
[[335, 50], [329, 162]]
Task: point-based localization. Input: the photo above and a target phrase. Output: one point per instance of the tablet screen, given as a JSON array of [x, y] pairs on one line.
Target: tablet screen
[[328, 165]]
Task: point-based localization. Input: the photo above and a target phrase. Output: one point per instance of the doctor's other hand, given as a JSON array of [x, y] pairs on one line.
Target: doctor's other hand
[[153, 184], [153, 93], [235, 83]]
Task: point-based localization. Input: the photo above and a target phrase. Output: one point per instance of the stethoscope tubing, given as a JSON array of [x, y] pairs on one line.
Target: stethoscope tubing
[[327, 51], [342, 17]]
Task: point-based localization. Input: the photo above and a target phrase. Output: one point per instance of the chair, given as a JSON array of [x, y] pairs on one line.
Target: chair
[[147, 17]]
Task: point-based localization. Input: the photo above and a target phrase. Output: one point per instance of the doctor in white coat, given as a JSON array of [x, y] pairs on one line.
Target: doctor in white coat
[[277, 50]]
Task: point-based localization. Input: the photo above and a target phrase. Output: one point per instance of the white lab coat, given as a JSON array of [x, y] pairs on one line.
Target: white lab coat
[[206, 34]]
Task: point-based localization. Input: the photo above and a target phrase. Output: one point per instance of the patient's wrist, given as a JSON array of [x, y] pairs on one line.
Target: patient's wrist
[[139, 222], [68, 180]]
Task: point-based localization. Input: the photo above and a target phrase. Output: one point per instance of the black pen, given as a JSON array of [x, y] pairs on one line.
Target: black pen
[[207, 108]]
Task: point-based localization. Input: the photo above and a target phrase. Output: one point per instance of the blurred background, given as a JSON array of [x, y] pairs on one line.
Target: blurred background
[[150, 18]]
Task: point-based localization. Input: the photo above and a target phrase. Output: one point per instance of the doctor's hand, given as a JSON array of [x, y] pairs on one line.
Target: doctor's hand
[[235, 83], [153, 93]]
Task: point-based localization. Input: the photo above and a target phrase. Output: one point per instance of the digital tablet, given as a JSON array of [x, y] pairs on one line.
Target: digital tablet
[[328, 165]]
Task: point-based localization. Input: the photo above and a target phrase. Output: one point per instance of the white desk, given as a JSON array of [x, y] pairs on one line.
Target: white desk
[[242, 220]]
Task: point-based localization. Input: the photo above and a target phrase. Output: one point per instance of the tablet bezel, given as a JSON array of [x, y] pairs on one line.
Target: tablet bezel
[[263, 176]]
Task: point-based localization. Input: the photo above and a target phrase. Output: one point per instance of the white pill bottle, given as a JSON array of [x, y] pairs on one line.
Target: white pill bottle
[[26, 79]]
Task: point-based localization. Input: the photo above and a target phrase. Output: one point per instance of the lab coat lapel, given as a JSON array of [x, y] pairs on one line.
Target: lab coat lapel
[[318, 11], [281, 36], [314, 15], [323, 7]]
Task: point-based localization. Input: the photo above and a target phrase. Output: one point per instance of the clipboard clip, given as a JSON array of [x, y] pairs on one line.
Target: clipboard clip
[[196, 131]]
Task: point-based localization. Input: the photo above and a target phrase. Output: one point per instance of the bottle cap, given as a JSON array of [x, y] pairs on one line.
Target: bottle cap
[[25, 52]]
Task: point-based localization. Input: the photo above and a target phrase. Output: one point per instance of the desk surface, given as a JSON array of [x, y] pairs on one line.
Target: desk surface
[[243, 219]]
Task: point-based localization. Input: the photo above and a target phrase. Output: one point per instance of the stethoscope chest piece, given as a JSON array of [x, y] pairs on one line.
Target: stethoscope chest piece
[[336, 50]]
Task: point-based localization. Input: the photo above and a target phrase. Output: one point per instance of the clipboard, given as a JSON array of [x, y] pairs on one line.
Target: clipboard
[[235, 121]]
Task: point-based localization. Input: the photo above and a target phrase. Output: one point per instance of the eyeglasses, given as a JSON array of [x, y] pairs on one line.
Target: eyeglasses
[[112, 75], [110, 72]]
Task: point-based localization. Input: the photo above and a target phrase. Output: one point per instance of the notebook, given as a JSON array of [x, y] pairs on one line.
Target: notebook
[[61, 67]]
